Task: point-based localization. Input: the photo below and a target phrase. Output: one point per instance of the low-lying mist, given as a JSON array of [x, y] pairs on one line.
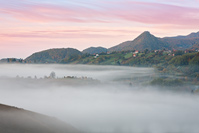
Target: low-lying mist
[[108, 99]]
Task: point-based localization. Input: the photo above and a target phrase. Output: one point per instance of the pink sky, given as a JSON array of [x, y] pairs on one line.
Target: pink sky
[[28, 26]]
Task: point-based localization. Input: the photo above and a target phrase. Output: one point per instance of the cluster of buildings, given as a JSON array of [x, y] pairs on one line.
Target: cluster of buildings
[[135, 53], [168, 52]]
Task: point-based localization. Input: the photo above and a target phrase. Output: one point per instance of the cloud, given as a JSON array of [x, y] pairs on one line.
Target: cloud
[[70, 33], [88, 23], [155, 13], [51, 13], [106, 12], [109, 106]]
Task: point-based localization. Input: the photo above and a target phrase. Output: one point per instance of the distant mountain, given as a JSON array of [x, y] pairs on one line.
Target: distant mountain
[[15, 120], [190, 36], [183, 42], [94, 50], [144, 41], [53, 55], [149, 41], [193, 35]]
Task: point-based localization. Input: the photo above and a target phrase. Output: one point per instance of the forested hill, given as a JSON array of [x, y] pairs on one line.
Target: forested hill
[[53, 55], [146, 58], [94, 50]]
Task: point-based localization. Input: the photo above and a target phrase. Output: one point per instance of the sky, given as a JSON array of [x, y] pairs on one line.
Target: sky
[[28, 26]]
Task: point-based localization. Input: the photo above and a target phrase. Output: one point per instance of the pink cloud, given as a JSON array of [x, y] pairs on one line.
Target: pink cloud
[[73, 33], [154, 13], [52, 13], [142, 12]]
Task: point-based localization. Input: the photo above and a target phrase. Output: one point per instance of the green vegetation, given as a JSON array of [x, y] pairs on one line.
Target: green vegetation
[[128, 55], [94, 50], [177, 63], [166, 82], [125, 58], [54, 56]]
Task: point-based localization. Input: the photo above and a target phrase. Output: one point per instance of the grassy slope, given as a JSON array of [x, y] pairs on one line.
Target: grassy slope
[[15, 120]]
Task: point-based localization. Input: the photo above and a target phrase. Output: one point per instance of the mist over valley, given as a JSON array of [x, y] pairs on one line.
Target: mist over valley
[[101, 98], [99, 66]]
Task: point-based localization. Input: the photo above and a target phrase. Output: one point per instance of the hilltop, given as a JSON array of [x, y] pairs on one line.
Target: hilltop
[[144, 41], [53, 55], [190, 41], [15, 120], [94, 50], [148, 41]]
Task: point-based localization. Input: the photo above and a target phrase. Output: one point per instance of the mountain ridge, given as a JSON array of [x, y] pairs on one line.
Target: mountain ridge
[[191, 35], [55, 55], [144, 41], [148, 41], [183, 42]]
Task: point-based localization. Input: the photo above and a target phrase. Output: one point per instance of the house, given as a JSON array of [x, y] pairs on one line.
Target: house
[[108, 52], [97, 55], [136, 52]]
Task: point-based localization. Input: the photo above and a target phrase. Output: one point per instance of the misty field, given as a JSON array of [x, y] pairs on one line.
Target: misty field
[[101, 99]]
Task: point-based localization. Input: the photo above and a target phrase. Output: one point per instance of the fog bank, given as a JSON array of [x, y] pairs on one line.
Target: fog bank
[[106, 103]]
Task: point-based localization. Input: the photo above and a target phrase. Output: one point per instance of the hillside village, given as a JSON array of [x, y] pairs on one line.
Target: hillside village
[[133, 53], [118, 58]]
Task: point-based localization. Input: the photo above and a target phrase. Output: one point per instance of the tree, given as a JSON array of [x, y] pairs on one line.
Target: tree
[[179, 52], [52, 75], [146, 51]]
